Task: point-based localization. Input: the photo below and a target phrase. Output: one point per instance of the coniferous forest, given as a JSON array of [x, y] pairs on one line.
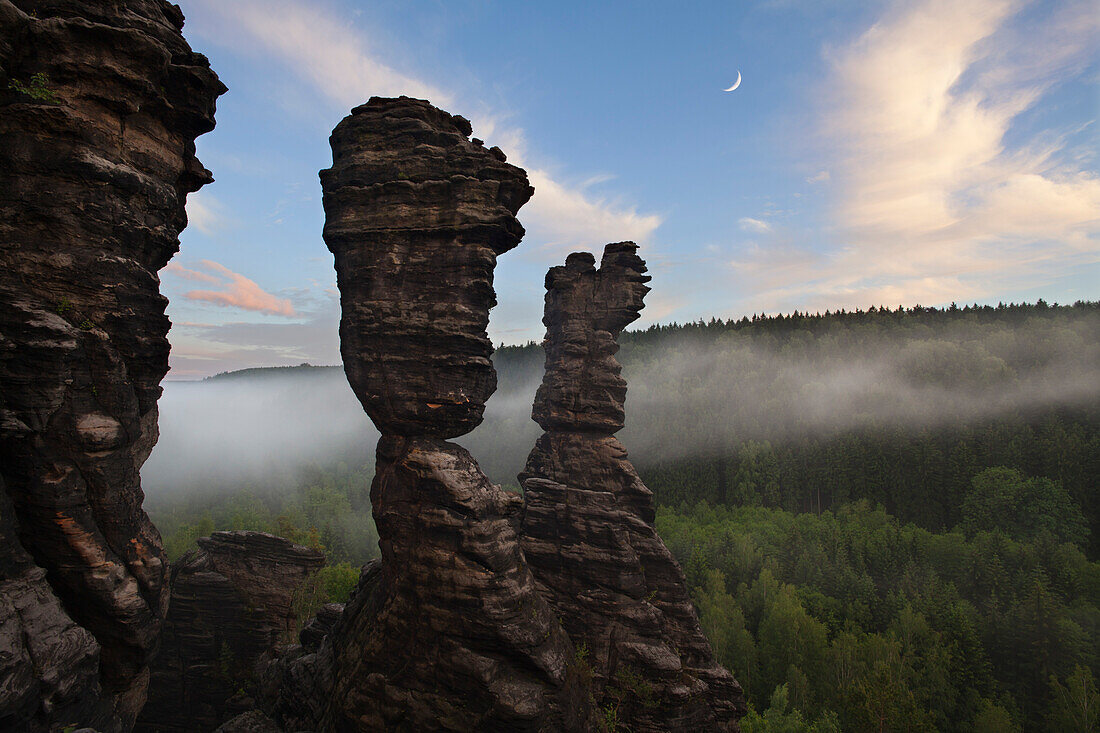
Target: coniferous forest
[[887, 518]]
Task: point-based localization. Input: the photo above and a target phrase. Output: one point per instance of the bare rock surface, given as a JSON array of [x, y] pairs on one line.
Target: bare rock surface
[[49, 666], [232, 602], [265, 569], [587, 530], [100, 104], [254, 721], [452, 633], [416, 215]]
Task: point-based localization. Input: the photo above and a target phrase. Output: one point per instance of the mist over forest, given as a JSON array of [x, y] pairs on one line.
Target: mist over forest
[[887, 519], [693, 390]]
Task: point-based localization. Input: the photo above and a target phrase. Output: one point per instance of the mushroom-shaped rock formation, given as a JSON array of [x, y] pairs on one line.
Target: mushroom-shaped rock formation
[[587, 530], [100, 105], [452, 634], [416, 215]]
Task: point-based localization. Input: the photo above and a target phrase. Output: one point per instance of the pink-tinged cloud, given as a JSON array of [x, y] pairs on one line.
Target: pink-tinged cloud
[[175, 268], [237, 291]]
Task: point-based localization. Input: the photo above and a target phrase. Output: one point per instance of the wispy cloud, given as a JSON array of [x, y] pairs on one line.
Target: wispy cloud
[[175, 268], [203, 213], [757, 226], [202, 349], [322, 49], [941, 195], [319, 48], [236, 290]]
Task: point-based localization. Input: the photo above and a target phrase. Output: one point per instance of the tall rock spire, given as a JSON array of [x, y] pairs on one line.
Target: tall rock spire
[[451, 634], [100, 105], [587, 530]]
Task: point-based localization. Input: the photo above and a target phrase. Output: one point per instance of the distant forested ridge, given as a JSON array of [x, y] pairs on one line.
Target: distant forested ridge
[[888, 518], [809, 412], [268, 372]]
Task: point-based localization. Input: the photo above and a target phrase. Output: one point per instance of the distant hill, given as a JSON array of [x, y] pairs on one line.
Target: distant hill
[[281, 371]]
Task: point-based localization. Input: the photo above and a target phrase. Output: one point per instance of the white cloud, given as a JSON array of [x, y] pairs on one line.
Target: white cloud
[[320, 49], [938, 201], [204, 213], [757, 226]]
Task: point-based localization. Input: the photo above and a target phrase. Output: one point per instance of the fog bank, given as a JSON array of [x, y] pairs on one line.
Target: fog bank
[[687, 396]]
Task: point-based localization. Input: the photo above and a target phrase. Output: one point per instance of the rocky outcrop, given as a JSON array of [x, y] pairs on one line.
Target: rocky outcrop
[[416, 215], [100, 104], [587, 530], [451, 634], [253, 721], [265, 569], [49, 666], [232, 602]]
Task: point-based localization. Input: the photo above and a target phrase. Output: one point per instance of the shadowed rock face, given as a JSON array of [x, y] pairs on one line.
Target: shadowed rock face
[[232, 601], [586, 309], [416, 215], [587, 530], [451, 634], [49, 666], [97, 155]]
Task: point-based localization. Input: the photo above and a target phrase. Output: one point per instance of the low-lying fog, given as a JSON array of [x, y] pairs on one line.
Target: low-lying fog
[[686, 396]]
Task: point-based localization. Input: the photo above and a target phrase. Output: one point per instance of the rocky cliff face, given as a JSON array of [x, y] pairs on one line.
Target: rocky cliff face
[[452, 635], [100, 104], [587, 530], [49, 666], [232, 601]]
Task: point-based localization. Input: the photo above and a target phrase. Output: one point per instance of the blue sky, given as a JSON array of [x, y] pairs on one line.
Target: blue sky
[[875, 153]]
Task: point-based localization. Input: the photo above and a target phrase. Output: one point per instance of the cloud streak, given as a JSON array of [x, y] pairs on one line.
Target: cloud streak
[[319, 48], [236, 290], [757, 226], [941, 193]]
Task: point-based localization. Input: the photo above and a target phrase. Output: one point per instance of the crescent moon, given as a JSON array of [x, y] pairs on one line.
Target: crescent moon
[[736, 83]]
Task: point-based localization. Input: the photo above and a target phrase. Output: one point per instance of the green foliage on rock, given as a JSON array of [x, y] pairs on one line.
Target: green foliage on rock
[[37, 88]]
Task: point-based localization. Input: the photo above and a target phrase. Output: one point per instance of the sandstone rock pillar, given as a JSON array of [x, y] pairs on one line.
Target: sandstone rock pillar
[[452, 634], [100, 105], [232, 602], [587, 530]]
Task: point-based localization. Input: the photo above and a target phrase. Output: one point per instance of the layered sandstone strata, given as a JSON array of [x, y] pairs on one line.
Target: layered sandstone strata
[[232, 602], [416, 215], [587, 530], [49, 666], [452, 635], [100, 104]]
